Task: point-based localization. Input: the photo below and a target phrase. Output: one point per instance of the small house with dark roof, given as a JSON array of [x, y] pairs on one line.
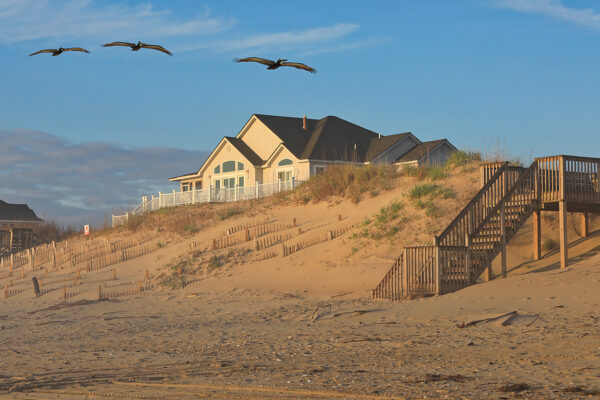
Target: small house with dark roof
[[435, 152], [16, 227], [272, 148]]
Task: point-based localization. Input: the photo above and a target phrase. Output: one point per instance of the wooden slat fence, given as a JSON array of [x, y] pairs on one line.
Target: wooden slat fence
[[330, 235]]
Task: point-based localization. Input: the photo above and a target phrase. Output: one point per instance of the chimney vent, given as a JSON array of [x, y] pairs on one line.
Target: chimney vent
[[304, 122]]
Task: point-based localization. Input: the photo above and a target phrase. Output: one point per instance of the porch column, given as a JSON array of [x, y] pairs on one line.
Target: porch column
[[585, 228], [537, 235]]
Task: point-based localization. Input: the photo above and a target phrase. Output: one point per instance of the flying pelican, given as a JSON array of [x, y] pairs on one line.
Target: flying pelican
[[276, 64], [139, 45], [58, 51]]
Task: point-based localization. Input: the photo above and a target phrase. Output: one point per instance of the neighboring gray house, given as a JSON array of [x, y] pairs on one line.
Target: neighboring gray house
[[435, 152]]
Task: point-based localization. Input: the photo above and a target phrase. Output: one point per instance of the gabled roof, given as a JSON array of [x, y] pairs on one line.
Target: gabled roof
[[246, 151], [330, 138], [383, 143], [17, 212], [289, 130], [421, 150]]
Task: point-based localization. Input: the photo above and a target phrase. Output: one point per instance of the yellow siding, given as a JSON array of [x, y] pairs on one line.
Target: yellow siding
[[270, 173], [260, 139], [228, 153]]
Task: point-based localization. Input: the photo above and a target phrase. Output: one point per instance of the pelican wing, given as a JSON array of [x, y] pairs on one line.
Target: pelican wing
[[299, 66], [43, 51], [76, 49], [255, 59], [126, 44], [156, 47]]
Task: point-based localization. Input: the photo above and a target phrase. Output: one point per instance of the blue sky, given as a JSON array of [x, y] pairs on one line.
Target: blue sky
[[520, 75]]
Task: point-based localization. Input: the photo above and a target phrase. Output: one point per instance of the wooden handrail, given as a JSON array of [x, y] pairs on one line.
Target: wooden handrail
[[469, 205], [509, 193]]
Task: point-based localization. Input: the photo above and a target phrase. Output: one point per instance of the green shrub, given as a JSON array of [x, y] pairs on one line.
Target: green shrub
[[436, 173], [422, 189]]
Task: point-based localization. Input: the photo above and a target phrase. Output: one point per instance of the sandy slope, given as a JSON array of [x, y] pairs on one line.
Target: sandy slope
[[304, 327]]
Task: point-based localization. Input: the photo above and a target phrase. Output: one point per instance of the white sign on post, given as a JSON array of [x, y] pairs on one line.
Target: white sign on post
[[86, 230]]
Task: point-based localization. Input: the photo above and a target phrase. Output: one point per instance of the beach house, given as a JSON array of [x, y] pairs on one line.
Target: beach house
[[272, 148]]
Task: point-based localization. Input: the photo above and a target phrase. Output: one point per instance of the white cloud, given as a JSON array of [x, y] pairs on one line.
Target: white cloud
[[66, 180], [22, 20], [554, 8], [281, 39]]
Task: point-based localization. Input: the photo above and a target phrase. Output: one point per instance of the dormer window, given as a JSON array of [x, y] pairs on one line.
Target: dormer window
[[285, 161]]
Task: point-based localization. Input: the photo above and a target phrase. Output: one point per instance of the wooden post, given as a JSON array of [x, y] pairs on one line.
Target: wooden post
[[339, 217], [438, 271], [10, 244], [537, 234], [468, 261], [114, 274], [585, 228], [64, 292], [294, 222], [147, 275], [99, 292], [562, 217], [503, 238]]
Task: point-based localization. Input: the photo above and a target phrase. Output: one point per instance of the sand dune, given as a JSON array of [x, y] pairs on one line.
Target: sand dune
[[303, 326]]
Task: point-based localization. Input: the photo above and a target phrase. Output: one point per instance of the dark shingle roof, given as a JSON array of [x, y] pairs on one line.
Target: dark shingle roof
[[289, 130], [17, 212], [246, 151], [330, 138], [421, 150]]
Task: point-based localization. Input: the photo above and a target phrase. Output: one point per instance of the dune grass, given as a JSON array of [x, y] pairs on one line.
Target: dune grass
[[350, 181]]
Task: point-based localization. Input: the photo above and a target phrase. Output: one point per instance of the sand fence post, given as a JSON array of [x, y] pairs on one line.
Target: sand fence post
[[147, 275], [114, 278], [64, 292], [99, 292]]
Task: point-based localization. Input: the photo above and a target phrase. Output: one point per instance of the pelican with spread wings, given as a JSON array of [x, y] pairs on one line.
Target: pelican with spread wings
[[58, 51], [282, 62], [139, 45]]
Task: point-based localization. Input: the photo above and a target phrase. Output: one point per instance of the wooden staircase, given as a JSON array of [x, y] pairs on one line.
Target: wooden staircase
[[467, 247]]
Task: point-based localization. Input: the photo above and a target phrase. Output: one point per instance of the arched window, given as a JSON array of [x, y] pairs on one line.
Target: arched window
[[228, 166], [240, 166], [285, 161], [217, 169]]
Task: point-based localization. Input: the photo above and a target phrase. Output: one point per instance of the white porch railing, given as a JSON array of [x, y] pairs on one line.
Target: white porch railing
[[208, 195]]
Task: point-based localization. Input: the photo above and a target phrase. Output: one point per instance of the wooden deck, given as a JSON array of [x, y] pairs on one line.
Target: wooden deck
[[481, 231]]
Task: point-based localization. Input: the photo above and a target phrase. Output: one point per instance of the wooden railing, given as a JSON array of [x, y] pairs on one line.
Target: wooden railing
[[569, 178], [520, 198], [479, 207], [392, 285], [488, 169]]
